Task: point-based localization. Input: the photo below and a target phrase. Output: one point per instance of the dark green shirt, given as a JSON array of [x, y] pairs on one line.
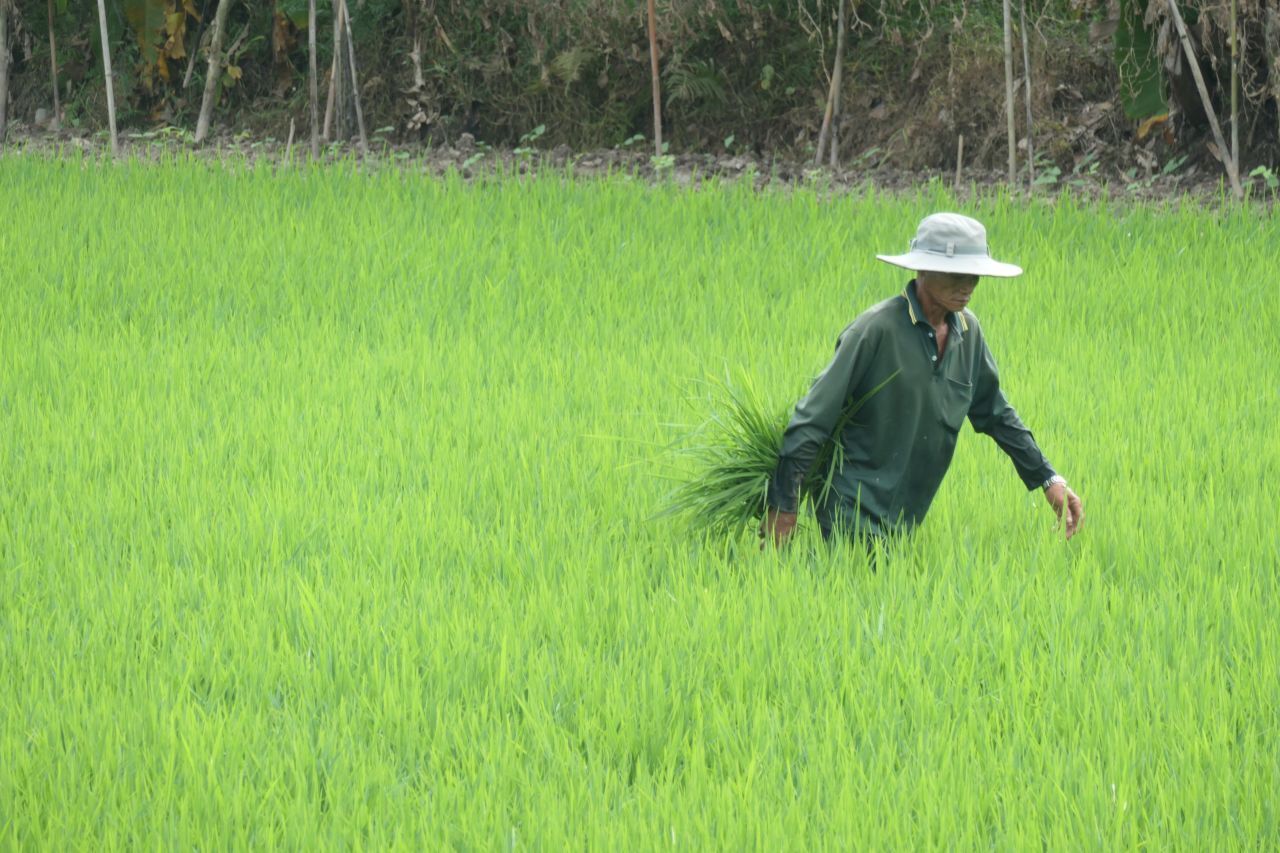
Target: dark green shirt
[[901, 441]]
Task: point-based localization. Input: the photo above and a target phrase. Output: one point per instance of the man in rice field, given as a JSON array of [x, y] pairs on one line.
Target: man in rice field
[[921, 365]]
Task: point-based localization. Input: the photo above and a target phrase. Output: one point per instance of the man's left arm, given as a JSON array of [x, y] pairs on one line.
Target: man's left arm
[[990, 413]]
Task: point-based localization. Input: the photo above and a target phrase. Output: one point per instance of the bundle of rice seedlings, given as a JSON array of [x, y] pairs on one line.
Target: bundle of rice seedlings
[[729, 459]]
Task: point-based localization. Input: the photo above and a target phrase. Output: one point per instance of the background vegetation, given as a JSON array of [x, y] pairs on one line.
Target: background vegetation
[[738, 75]]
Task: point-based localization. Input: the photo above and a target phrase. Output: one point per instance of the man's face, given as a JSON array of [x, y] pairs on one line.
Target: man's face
[[949, 290]]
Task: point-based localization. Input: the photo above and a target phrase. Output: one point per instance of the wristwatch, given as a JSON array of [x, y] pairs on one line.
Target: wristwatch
[[1056, 478]]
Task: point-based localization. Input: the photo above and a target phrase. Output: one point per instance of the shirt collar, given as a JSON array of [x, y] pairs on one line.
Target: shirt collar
[[955, 319]]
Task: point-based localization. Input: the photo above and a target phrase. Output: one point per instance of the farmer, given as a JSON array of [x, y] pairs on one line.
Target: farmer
[[920, 362]]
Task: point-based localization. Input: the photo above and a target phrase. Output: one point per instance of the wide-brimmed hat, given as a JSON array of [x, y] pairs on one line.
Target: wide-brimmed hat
[[949, 242]]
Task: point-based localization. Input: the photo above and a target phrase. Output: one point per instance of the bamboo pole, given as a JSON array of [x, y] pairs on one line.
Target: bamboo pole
[[53, 68], [355, 82], [1235, 86], [826, 123], [835, 86], [328, 109], [313, 84], [657, 86], [832, 159], [333, 102], [1026, 79], [1271, 48], [4, 70], [827, 114], [214, 71], [1008, 91], [106, 68], [1232, 174]]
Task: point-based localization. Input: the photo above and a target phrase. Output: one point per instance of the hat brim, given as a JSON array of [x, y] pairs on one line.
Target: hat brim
[[958, 264]]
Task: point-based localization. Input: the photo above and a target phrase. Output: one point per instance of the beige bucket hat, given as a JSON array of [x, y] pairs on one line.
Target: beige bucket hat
[[949, 242]]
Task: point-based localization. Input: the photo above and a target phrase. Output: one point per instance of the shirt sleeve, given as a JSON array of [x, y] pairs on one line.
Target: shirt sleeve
[[990, 413], [816, 415]]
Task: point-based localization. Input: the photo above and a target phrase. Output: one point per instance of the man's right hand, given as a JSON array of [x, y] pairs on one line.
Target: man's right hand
[[776, 527]]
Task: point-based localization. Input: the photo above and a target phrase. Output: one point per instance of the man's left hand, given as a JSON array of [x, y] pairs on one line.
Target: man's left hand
[[1059, 496]]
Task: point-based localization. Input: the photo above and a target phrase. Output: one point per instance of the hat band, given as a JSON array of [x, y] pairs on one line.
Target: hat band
[[950, 250]]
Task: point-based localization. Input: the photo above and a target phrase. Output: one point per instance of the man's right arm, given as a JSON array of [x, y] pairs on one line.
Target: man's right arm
[[815, 417]]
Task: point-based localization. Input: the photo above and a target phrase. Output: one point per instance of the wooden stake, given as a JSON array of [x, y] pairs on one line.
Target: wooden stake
[[288, 147], [106, 68], [214, 70], [313, 83], [1008, 91], [959, 159], [657, 85], [1271, 49], [4, 70], [1225, 154], [832, 160], [1235, 87], [827, 114], [328, 110], [334, 103], [355, 82], [835, 87], [53, 68], [1026, 79], [826, 122]]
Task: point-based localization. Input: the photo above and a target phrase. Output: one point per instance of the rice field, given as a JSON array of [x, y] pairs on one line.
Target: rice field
[[327, 519]]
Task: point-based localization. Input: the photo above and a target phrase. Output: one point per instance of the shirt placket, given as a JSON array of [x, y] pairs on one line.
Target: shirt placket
[[930, 339], [931, 348], [941, 365]]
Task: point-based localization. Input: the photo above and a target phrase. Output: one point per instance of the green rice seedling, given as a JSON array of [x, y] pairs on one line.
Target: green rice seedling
[[727, 462], [731, 456]]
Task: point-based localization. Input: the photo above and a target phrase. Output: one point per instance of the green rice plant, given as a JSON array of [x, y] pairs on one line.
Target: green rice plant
[[728, 460], [306, 542], [731, 456]]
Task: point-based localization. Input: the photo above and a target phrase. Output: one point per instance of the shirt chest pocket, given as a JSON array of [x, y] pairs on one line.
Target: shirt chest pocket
[[955, 397]]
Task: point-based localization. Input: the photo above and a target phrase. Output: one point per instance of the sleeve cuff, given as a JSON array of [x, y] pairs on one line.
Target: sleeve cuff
[[1035, 479], [784, 487]]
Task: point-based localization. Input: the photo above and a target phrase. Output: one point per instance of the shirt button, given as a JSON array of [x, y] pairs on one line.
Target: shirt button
[[931, 334], [934, 357]]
